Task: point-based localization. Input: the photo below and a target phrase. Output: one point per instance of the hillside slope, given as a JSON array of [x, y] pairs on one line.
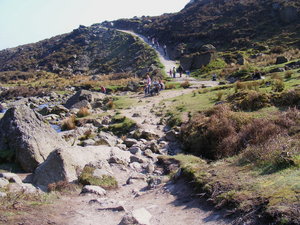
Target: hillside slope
[[227, 24], [86, 50]]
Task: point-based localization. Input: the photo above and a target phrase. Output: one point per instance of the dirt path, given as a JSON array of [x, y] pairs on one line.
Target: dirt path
[[148, 107], [173, 203]]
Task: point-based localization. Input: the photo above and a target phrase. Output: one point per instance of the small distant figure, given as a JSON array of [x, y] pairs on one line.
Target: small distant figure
[[148, 85], [188, 73], [153, 41], [103, 89], [214, 77], [170, 72], [180, 70], [174, 72], [165, 50]]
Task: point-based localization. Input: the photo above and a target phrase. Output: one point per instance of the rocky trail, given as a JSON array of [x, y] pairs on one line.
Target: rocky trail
[[144, 194]]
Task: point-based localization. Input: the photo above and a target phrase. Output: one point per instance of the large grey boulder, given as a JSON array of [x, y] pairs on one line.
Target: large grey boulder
[[83, 98], [64, 164], [25, 132], [67, 163]]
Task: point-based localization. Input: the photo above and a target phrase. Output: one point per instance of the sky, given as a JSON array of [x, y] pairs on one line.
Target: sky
[[28, 21]]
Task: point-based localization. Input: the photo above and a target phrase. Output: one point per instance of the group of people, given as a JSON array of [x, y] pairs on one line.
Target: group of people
[[154, 42], [179, 70], [154, 87]]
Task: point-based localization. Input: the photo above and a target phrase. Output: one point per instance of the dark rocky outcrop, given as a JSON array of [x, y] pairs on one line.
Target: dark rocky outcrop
[[199, 59], [32, 139], [83, 98]]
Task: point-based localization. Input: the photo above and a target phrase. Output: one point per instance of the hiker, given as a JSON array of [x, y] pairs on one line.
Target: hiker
[[180, 70], [188, 73], [214, 77], [155, 89], [174, 72], [170, 72], [148, 85], [161, 85], [103, 89], [165, 50]]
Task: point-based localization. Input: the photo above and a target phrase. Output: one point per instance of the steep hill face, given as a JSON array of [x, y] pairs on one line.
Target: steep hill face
[[227, 24], [86, 50]]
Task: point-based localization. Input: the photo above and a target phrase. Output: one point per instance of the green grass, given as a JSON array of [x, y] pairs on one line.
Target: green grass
[[121, 125], [124, 102], [242, 187], [105, 181]]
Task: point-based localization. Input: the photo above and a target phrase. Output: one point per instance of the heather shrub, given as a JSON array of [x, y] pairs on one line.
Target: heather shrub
[[274, 154], [289, 98], [258, 132], [278, 85], [22, 91], [220, 132], [212, 134], [69, 123], [62, 186], [83, 112], [249, 100], [288, 74], [185, 84]]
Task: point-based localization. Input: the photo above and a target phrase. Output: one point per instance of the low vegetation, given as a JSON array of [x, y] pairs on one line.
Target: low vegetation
[[105, 181]]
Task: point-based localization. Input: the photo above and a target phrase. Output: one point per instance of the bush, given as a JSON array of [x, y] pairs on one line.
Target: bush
[[249, 100], [220, 132], [83, 112], [290, 98], [288, 74], [185, 84], [62, 186], [170, 86], [219, 95], [105, 181], [278, 85], [69, 123]]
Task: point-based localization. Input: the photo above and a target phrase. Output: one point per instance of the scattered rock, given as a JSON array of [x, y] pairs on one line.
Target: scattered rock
[[130, 142], [281, 59], [149, 135], [134, 150], [11, 177], [108, 204], [171, 135], [93, 190], [136, 167], [277, 70], [135, 158], [3, 182], [106, 138], [119, 157], [137, 217], [2, 194]]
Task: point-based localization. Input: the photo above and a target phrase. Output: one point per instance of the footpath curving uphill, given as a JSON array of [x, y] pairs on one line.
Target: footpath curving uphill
[[170, 64]]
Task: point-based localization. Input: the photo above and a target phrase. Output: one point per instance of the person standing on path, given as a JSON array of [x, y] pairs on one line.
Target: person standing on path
[[148, 85], [170, 72], [165, 50], [174, 72], [180, 70]]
